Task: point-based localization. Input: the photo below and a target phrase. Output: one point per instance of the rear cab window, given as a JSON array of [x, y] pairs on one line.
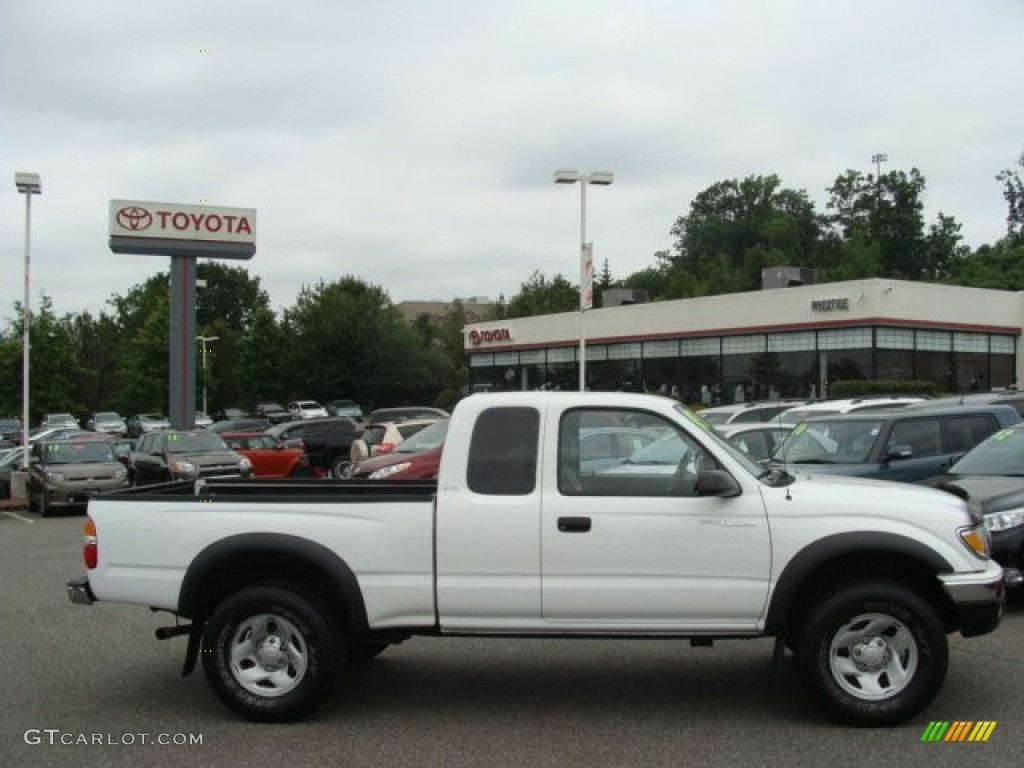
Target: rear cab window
[[503, 452]]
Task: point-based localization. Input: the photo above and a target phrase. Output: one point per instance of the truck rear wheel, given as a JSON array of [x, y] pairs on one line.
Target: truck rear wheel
[[270, 654], [872, 654]]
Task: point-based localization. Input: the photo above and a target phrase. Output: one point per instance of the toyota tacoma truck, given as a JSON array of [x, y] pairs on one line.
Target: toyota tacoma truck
[[281, 583]]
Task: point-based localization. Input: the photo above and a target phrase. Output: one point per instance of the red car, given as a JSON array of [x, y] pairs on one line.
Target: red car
[[269, 456], [415, 458]]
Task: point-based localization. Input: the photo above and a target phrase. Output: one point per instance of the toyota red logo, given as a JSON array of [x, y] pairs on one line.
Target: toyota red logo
[[134, 218], [496, 334]]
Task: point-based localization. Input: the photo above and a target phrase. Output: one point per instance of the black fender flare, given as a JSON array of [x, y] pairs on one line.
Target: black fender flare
[[341, 581], [830, 548]]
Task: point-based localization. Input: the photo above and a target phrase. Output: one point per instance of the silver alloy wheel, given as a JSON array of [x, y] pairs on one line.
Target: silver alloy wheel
[[269, 655], [873, 656]]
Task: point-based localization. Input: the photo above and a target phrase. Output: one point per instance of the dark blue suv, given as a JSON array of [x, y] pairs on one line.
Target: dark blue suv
[[903, 445]]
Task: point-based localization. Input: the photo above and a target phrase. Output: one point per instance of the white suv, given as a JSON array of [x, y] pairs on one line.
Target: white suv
[[743, 413], [832, 407]]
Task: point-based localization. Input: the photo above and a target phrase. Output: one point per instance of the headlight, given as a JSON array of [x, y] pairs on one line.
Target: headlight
[[185, 468], [57, 477], [120, 474], [244, 465], [1004, 521], [380, 474]]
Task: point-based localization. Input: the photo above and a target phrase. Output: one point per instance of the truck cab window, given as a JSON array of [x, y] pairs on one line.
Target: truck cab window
[[503, 452]]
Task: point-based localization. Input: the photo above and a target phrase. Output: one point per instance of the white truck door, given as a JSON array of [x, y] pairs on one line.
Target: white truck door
[[488, 540], [631, 547]]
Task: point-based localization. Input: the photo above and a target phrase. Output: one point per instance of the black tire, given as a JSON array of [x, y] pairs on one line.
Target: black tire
[[873, 653], [364, 653], [341, 467], [293, 659]]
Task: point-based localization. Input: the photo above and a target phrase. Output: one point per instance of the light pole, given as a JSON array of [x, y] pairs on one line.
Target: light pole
[[28, 184], [603, 179], [878, 159], [204, 340]]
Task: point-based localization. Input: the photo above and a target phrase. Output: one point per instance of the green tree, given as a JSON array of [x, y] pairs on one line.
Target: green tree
[[885, 215], [541, 296], [347, 338], [1013, 192], [733, 230]]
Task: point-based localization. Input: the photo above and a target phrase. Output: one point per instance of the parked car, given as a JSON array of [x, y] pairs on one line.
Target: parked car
[[141, 423], [758, 441], [230, 414], [606, 446], [416, 458], [348, 408], [382, 438], [66, 473], [796, 414], [203, 420], [184, 454], [107, 422], [269, 456], [60, 420], [754, 412], [248, 424], [1001, 397], [11, 430], [903, 445], [275, 413], [992, 475], [407, 412], [328, 443], [53, 433], [307, 409], [289, 432], [8, 463]]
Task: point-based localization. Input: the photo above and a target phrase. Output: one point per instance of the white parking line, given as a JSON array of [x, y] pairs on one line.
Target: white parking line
[[16, 516]]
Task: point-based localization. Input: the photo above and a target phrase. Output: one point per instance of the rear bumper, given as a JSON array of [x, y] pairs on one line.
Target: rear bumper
[[79, 591], [978, 598]]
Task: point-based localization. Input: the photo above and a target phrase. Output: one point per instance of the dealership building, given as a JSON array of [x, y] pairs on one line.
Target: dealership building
[[790, 341]]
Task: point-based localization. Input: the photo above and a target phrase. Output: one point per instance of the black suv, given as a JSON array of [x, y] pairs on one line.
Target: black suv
[[906, 445], [184, 454], [275, 413]]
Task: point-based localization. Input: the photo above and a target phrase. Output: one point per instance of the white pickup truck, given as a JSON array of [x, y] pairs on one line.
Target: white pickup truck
[[548, 519]]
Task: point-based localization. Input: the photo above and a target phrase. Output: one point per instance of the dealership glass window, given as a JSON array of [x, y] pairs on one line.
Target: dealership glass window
[[1002, 371], [894, 364], [933, 341], [597, 352], [791, 342], [794, 374], [624, 351], [481, 361], [849, 364], [845, 338], [668, 348], [1003, 345], [740, 345], [563, 371], [894, 338], [970, 342], [700, 347], [698, 375]]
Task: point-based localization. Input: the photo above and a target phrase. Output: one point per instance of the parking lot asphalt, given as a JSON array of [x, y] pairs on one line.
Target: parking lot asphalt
[[91, 686]]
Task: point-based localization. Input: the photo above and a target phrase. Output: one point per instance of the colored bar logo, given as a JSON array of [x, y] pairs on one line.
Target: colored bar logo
[[958, 730]]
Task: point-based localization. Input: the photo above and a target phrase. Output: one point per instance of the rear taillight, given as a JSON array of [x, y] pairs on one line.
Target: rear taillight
[[90, 547], [385, 447]]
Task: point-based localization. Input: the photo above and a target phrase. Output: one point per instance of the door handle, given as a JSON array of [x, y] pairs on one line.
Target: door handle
[[574, 524]]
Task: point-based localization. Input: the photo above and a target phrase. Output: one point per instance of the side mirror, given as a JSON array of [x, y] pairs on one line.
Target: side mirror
[[898, 452], [717, 482]]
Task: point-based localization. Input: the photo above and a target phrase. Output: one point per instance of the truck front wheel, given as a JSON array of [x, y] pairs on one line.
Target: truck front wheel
[[270, 654], [872, 654]]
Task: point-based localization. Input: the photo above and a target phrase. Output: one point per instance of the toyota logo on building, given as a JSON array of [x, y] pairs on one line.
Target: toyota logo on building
[[134, 218], [484, 337]]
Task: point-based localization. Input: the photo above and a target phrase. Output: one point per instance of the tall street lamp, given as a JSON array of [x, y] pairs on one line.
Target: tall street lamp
[[28, 184], [204, 340], [603, 179]]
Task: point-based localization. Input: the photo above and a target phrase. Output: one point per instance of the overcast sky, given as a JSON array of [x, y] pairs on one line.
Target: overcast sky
[[412, 144]]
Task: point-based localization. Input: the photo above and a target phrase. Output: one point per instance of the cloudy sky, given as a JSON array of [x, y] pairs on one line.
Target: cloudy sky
[[412, 144]]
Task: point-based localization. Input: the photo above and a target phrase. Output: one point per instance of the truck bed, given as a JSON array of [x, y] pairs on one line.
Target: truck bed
[[274, 489]]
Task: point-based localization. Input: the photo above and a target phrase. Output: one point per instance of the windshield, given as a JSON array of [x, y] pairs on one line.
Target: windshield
[[107, 417], [426, 439], [1001, 454], [92, 452], [829, 442], [199, 441]]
